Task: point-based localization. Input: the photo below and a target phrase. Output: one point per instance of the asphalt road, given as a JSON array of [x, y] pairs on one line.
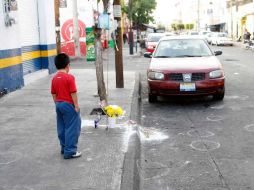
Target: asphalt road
[[201, 144]]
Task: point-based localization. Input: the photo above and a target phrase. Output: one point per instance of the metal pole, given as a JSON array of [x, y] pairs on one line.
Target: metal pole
[[76, 28], [57, 25], [119, 51], [130, 32]]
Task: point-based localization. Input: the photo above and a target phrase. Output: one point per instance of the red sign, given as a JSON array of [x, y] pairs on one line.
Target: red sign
[[67, 31]]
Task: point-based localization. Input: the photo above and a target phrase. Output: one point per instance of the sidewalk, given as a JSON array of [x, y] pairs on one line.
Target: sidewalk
[[30, 154]]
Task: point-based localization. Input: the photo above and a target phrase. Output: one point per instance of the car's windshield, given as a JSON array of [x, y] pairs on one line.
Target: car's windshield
[[182, 48], [152, 38]]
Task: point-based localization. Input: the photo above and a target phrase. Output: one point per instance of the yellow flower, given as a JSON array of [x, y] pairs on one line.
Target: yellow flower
[[113, 111]]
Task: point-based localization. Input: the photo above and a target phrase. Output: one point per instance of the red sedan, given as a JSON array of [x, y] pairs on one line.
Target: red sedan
[[152, 41], [184, 65]]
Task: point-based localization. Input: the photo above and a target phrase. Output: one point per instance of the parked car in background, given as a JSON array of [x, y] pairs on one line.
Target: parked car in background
[[221, 39], [204, 34], [184, 66], [152, 41], [209, 36]]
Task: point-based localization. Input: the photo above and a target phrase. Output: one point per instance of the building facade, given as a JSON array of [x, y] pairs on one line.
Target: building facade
[[204, 14], [28, 42], [240, 16]]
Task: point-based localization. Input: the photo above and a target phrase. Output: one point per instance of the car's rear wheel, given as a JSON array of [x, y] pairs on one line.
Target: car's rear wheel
[[152, 98], [219, 96]]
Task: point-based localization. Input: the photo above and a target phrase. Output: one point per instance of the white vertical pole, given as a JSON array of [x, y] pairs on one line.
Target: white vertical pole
[[198, 23], [76, 28]]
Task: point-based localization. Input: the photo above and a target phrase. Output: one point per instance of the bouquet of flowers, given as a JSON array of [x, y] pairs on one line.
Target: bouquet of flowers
[[113, 111]]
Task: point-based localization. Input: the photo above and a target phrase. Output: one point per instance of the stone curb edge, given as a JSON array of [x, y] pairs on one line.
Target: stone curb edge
[[130, 176]]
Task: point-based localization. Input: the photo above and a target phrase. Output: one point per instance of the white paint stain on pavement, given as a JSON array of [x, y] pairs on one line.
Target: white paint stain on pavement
[[87, 123], [129, 131], [151, 134]]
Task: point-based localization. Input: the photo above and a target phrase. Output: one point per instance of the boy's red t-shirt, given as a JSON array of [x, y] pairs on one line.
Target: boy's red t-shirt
[[63, 84]]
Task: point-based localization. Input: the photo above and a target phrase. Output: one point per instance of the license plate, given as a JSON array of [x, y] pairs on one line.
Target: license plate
[[187, 87]]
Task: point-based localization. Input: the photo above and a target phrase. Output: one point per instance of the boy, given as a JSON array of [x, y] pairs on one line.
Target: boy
[[64, 93]]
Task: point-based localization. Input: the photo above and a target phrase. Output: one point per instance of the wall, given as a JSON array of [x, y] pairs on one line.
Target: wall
[[47, 34], [31, 40], [11, 70]]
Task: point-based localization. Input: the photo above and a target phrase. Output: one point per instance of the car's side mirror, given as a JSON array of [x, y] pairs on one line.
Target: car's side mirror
[[148, 54], [216, 53]]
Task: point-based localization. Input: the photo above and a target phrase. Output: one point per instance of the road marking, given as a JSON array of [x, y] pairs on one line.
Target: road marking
[[249, 127], [204, 145], [200, 133], [214, 118]]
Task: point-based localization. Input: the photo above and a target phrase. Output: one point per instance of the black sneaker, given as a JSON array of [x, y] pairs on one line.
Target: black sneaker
[[76, 155]]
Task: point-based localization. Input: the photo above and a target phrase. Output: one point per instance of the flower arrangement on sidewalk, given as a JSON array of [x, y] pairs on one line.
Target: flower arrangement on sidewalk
[[113, 111]]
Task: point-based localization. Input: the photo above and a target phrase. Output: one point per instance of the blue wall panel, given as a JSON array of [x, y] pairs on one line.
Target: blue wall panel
[[11, 78]]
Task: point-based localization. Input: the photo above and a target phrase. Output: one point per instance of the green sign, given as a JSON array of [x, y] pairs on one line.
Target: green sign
[[90, 48]]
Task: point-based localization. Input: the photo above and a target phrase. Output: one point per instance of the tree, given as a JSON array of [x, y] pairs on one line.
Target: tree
[[140, 11], [99, 61], [180, 26]]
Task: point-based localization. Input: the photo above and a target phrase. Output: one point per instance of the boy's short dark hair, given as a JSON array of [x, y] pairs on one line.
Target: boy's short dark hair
[[61, 61]]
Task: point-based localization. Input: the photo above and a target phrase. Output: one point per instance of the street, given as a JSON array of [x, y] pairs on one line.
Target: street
[[201, 144]]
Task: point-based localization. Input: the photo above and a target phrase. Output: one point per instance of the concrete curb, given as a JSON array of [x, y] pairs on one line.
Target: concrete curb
[[130, 179]]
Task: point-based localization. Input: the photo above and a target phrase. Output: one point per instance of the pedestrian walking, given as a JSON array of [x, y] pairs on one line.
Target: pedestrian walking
[[64, 93], [246, 36]]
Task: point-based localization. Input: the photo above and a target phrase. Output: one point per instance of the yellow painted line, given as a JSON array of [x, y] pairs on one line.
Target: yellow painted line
[[31, 55], [48, 53], [11, 61]]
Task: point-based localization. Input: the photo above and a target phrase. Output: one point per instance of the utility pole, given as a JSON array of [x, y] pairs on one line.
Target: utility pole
[[130, 32], [76, 28], [231, 11], [57, 27], [119, 45]]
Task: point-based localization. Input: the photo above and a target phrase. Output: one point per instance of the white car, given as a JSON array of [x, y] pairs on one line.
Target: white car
[[209, 37], [221, 39]]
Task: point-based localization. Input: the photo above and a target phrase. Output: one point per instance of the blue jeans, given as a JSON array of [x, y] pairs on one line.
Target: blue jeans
[[68, 127]]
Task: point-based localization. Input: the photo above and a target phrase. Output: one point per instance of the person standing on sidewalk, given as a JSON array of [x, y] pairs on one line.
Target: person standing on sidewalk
[[64, 93]]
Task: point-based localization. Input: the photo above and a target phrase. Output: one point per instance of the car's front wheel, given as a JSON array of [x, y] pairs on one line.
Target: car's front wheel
[[219, 96], [152, 98]]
